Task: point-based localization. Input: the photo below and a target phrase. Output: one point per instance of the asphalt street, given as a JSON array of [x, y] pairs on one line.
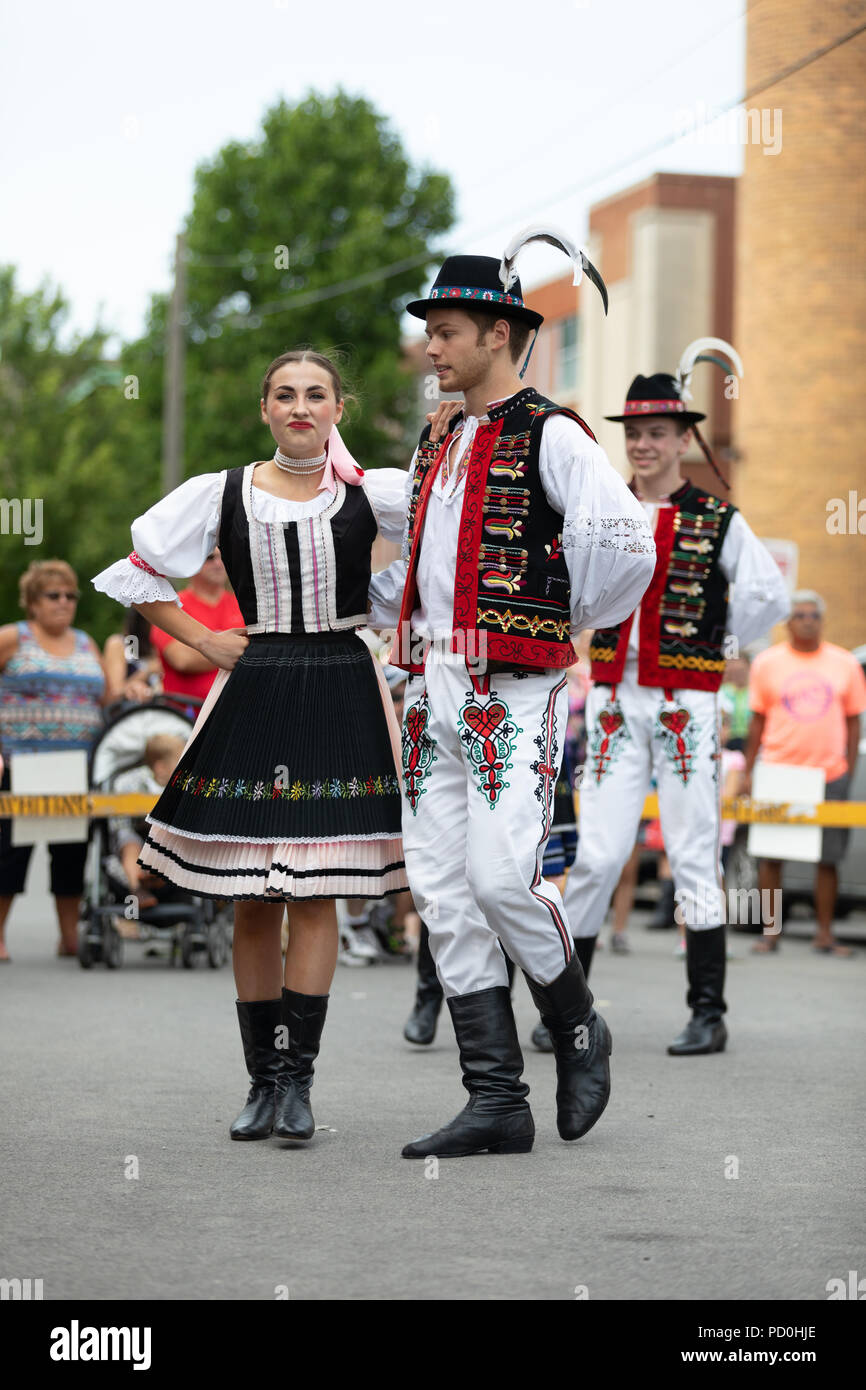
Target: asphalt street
[[731, 1176]]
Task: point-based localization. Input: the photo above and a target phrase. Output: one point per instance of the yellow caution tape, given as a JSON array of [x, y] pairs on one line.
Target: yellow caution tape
[[836, 814], [840, 814], [76, 804]]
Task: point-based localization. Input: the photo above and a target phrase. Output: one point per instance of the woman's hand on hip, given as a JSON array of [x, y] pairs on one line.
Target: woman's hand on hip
[[225, 649]]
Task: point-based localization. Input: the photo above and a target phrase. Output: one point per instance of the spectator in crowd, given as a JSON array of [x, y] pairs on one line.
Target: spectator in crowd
[[127, 835], [132, 665], [735, 690], [622, 903], [733, 765], [52, 689], [186, 671], [806, 697]]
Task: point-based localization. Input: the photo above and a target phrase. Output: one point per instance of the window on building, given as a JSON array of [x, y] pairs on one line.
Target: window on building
[[566, 355]]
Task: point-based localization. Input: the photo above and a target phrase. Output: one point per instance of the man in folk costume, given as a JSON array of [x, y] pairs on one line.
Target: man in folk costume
[[519, 533], [653, 711]]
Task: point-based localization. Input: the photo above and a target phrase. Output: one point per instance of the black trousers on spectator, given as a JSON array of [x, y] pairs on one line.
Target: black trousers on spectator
[[67, 862]]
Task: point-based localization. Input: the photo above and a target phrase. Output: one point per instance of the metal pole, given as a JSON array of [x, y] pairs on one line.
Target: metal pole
[[173, 394]]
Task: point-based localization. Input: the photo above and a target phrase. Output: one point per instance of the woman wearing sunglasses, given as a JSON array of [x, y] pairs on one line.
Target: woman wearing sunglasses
[[52, 688]]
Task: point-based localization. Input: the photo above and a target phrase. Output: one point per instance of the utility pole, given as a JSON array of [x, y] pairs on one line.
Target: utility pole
[[173, 383]]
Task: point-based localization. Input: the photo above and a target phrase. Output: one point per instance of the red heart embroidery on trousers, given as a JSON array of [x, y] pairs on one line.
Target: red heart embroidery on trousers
[[610, 722], [416, 719], [484, 721], [674, 719]]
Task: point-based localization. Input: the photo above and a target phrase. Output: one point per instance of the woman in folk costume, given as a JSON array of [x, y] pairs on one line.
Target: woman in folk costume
[[653, 712], [520, 533], [287, 791]]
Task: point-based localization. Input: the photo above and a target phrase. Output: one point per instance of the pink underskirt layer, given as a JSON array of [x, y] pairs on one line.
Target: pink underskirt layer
[[291, 869]]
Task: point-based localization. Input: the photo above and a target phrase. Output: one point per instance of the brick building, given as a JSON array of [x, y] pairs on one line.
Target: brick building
[[800, 316], [774, 262], [665, 250]]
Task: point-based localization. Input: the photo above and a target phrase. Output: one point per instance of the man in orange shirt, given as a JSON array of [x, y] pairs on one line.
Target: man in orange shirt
[[807, 696], [186, 672]]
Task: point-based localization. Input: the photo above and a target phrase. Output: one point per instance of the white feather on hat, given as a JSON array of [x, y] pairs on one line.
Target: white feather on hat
[[698, 351], [553, 236]]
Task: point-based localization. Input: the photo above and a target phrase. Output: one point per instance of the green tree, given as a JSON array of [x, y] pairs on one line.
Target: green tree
[[76, 451], [318, 233]]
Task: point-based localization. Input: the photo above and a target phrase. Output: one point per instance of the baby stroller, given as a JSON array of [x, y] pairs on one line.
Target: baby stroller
[[197, 929]]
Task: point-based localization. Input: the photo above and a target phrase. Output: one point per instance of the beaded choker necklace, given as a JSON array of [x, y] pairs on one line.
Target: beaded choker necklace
[[299, 466]]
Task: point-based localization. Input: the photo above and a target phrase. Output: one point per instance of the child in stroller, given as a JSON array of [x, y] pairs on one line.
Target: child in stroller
[[126, 834], [136, 753]]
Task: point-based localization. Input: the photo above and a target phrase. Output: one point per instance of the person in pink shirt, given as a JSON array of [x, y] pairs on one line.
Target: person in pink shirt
[[807, 696]]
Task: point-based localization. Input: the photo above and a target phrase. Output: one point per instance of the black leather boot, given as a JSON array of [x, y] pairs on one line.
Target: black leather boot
[[304, 1017], [705, 967], [663, 917], [582, 1044], [584, 949], [541, 1039], [421, 1024], [258, 1024], [497, 1118], [584, 946]]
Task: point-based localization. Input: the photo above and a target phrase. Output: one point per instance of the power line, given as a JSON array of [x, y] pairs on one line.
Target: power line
[[667, 140], [244, 258], [607, 107], [305, 298]]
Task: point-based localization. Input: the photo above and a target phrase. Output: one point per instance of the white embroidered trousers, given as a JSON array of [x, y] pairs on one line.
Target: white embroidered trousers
[[480, 761], [635, 738]]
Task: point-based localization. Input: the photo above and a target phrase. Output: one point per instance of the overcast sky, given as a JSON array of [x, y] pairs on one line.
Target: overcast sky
[[535, 110]]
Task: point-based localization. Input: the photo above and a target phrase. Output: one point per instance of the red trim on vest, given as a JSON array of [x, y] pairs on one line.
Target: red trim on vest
[[526, 652], [400, 654], [469, 542], [610, 673], [649, 629]]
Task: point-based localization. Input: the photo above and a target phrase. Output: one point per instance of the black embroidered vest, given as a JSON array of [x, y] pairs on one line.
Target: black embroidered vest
[[310, 575], [512, 600], [684, 611]]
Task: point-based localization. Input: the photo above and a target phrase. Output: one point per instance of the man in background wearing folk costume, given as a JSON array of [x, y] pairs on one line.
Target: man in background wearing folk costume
[[520, 532], [653, 711]]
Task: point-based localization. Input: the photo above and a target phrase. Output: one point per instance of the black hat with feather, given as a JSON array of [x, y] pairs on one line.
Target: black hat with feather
[[482, 282], [665, 396]]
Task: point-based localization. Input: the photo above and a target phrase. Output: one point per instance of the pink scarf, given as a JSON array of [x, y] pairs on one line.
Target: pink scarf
[[339, 462]]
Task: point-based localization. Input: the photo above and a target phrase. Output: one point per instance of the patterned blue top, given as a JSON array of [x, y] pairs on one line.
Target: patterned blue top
[[50, 703]]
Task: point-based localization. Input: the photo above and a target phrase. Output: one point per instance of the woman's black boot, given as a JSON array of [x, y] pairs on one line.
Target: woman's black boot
[[421, 1023], [259, 1022], [582, 1044], [705, 967], [497, 1118], [303, 1018]]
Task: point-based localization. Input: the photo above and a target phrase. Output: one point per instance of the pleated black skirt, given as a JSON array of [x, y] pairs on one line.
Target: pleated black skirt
[[288, 788]]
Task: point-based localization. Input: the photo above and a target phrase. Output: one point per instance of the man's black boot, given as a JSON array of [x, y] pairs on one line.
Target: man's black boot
[[421, 1023], [303, 1016], [582, 1044], [705, 967], [584, 947], [258, 1022], [497, 1118]]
